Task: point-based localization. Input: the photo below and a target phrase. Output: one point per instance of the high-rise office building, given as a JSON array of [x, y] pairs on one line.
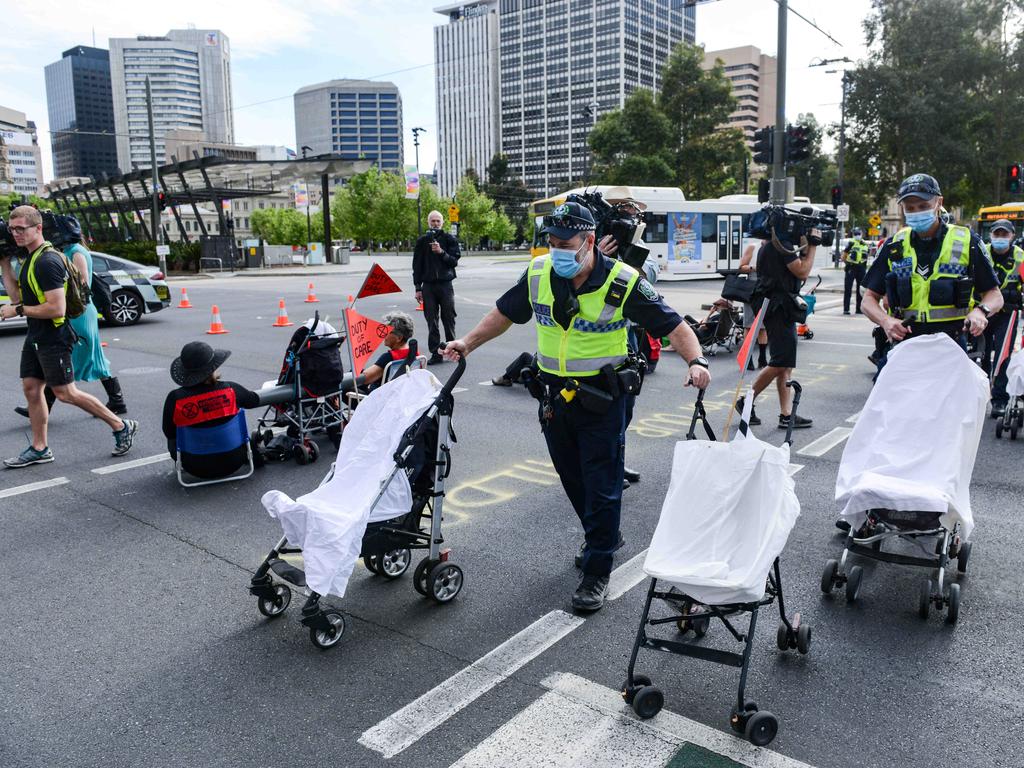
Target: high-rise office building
[[468, 105], [752, 75], [190, 76], [566, 62], [358, 119], [21, 164], [81, 110]]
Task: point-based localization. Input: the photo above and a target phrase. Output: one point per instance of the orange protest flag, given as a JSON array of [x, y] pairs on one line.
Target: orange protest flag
[[377, 281], [364, 335]]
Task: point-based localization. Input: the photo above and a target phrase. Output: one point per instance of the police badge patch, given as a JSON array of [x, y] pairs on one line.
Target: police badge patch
[[647, 289]]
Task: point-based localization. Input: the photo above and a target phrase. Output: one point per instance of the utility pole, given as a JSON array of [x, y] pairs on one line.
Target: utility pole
[[154, 211], [419, 197], [778, 188], [841, 154], [309, 222]]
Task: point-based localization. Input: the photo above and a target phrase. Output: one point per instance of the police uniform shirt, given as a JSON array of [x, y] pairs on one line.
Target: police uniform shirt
[[1005, 262], [979, 268], [643, 305]]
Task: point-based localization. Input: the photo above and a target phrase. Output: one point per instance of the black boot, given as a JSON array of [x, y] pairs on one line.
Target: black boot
[[51, 398], [115, 399]]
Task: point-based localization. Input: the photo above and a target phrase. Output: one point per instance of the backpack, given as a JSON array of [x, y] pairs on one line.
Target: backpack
[[102, 296], [78, 294]]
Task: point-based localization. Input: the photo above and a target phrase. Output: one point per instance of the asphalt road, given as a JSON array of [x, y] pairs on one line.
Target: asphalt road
[[129, 638]]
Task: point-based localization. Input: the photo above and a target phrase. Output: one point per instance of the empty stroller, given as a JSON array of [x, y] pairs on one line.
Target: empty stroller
[[718, 330], [906, 470], [1013, 416], [307, 398], [725, 520], [387, 482], [811, 299]]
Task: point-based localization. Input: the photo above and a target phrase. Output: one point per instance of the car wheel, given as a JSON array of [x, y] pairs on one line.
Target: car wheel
[[125, 308]]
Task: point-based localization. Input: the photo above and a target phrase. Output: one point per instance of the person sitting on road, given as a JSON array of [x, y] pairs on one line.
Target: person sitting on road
[[204, 401], [514, 373], [397, 342]]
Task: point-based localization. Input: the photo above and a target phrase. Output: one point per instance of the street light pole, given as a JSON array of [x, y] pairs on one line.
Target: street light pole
[[778, 187], [309, 223], [419, 198], [154, 213], [840, 155]]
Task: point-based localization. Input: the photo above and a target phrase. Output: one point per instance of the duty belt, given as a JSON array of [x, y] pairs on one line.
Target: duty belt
[[943, 313]]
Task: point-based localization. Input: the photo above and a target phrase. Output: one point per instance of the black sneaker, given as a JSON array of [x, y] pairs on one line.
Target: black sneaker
[[843, 525], [873, 358], [800, 423], [21, 410], [846, 311], [998, 410], [501, 381], [124, 437], [590, 594], [754, 421], [578, 559], [631, 474], [435, 359]]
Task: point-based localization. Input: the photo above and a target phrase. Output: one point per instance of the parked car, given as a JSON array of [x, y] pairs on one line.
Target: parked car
[[135, 289]]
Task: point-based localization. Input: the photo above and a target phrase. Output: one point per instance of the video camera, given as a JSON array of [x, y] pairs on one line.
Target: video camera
[[624, 221], [61, 229], [8, 247], [788, 226]]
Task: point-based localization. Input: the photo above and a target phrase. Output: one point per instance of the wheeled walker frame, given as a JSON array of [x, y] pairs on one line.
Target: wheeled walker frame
[[758, 726], [386, 545], [1012, 419]]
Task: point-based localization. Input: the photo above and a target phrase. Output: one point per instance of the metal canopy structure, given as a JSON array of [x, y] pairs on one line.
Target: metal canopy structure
[[200, 180]]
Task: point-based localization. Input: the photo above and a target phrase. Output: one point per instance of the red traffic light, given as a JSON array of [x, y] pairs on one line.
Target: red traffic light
[[1014, 171]]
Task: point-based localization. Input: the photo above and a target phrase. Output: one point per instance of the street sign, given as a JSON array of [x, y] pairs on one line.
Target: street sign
[[874, 232], [842, 212], [875, 220], [453, 214], [163, 250]]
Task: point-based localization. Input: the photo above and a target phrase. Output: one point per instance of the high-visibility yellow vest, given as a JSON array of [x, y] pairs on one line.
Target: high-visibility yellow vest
[[858, 252], [33, 283], [954, 258], [597, 335], [1011, 277]]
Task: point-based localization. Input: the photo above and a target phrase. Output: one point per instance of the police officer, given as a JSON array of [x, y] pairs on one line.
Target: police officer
[[856, 259], [930, 272], [580, 302], [1007, 259]]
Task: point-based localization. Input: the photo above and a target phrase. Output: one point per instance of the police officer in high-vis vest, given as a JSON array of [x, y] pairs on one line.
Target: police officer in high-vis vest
[[931, 273], [1007, 259], [580, 302], [856, 258]]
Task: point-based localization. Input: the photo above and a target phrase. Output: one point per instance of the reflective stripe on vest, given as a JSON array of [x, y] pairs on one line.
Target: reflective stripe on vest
[[205, 406], [858, 252], [597, 335], [1012, 276], [33, 283], [951, 264]]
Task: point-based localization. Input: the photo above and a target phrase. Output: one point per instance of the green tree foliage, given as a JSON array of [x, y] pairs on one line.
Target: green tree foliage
[[816, 175], [632, 145], [941, 92], [285, 226]]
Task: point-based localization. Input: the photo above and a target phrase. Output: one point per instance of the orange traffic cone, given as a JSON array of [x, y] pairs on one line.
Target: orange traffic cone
[[311, 296], [216, 326], [184, 303], [282, 316]]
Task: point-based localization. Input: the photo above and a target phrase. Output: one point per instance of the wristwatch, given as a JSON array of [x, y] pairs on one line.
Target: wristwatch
[[701, 361], [19, 310], [985, 310]]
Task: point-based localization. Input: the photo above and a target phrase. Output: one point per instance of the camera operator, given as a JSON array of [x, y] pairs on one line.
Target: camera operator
[[782, 268], [433, 269]]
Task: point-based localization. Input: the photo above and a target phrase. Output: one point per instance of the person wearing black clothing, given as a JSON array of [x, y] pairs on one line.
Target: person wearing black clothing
[[204, 401], [433, 269], [1007, 259]]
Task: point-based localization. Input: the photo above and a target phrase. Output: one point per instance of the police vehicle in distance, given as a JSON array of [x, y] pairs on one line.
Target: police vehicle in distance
[[135, 289]]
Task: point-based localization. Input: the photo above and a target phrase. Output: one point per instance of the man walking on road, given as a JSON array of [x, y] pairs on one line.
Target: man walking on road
[[433, 269], [40, 295]]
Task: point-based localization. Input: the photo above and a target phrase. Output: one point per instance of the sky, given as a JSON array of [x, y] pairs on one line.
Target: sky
[[279, 46]]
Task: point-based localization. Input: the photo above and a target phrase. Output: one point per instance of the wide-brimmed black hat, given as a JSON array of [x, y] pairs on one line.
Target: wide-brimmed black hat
[[196, 362]]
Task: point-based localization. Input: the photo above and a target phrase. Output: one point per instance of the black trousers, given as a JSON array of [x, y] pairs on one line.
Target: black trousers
[[439, 297], [524, 360], [854, 274], [995, 332]]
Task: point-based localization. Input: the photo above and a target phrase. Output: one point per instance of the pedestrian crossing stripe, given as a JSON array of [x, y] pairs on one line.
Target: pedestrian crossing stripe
[[578, 722]]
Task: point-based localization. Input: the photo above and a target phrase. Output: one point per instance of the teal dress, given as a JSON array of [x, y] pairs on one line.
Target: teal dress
[[87, 355]]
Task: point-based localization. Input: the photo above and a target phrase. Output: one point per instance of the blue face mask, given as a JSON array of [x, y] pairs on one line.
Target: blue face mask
[[563, 261], [921, 221], [1001, 243]]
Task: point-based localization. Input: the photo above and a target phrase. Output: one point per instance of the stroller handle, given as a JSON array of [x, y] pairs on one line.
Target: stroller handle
[[415, 430], [460, 368]]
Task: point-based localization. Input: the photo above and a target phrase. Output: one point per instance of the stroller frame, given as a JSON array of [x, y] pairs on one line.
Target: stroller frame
[[435, 577], [868, 540], [727, 333], [1012, 419], [758, 726]]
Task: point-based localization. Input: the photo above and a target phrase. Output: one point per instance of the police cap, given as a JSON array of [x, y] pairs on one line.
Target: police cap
[[568, 220], [919, 185], [1003, 224]]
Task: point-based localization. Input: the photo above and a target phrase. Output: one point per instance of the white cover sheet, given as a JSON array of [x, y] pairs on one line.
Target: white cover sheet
[[916, 439], [329, 523], [1015, 375], [726, 517]]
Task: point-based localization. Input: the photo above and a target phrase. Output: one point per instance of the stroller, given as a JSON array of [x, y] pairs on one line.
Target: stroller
[[719, 555], [1013, 416], [382, 498], [720, 329], [906, 470], [307, 398], [810, 298]]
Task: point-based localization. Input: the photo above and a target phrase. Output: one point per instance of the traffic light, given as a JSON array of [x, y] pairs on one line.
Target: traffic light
[[764, 190], [798, 143], [1013, 178], [764, 145], [161, 200], [837, 196]]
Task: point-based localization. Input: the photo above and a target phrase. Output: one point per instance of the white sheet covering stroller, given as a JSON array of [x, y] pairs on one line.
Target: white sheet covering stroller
[[726, 518], [387, 481], [906, 470], [1013, 416]]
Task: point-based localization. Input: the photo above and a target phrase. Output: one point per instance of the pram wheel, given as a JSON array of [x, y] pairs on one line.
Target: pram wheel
[[327, 637], [629, 691], [444, 582], [853, 583], [393, 564], [1013, 432], [953, 604], [963, 556], [419, 576], [272, 607], [306, 452], [924, 599], [371, 563], [738, 720], [761, 729], [828, 576], [803, 639], [648, 701], [999, 429]]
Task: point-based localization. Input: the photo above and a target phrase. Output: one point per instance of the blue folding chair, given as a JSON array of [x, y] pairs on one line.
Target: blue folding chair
[[203, 441]]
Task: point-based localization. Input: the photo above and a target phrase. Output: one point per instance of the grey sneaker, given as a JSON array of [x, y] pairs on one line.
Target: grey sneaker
[[30, 456], [125, 437]]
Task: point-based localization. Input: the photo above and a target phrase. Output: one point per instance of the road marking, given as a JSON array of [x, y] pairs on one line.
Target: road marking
[[853, 419], [844, 344], [418, 718], [825, 443], [29, 487], [794, 468], [131, 464], [459, 389], [141, 371], [626, 576]]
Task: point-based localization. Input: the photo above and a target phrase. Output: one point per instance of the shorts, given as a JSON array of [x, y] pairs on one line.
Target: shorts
[[781, 340], [49, 362], [749, 315]]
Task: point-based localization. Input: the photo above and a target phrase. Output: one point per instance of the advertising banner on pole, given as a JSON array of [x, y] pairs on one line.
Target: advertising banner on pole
[[412, 182]]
